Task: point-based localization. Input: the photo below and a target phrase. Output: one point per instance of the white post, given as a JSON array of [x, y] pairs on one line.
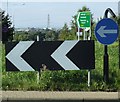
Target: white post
[[89, 72], [78, 34], [38, 73], [89, 34], [89, 78], [38, 38], [84, 38]]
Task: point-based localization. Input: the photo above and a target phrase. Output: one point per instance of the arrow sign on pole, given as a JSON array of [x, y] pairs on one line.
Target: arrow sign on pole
[[106, 31], [102, 31], [56, 55]]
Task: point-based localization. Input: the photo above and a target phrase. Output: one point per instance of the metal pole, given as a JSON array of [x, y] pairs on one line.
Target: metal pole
[[89, 37], [78, 34], [84, 38], [89, 71], [106, 64], [89, 78], [38, 73], [38, 39], [106, 56]]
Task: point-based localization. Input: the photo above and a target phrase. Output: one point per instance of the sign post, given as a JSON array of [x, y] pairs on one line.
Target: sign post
[[39, 71], [84, 21], [78, 34], [106, 32]]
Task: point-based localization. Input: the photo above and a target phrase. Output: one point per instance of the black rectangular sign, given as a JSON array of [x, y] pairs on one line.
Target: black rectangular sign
[[54, 55]]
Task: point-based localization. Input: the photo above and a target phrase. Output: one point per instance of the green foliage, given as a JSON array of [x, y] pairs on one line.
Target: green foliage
[[50, 35], [68, 80], [61, 80], [21, 36], [18, 80], [66, 34], [7, 29], [44, 35]]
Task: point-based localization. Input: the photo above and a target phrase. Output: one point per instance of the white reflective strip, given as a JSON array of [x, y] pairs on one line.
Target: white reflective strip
[[59, 55], [14, 56]]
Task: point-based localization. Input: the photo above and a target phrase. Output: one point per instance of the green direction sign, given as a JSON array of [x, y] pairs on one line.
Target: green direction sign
[[84, 19]]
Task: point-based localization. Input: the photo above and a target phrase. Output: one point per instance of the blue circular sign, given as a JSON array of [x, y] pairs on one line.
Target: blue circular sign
[[106, 31]]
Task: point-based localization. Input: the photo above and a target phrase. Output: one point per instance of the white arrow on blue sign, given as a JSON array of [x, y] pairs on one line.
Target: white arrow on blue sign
[[106, 31]]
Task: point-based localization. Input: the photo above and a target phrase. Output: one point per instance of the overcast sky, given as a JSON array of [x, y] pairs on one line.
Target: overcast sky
[[34, 14]]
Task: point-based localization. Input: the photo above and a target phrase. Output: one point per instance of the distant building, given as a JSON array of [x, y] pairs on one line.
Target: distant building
[[22, 29]]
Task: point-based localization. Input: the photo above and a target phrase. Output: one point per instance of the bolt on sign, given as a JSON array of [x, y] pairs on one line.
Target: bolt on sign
[[84, 19]]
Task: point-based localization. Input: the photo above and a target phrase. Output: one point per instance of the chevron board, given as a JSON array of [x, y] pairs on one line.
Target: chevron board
[[55, 55]]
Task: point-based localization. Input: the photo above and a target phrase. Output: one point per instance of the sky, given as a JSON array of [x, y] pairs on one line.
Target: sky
[[35, 14]]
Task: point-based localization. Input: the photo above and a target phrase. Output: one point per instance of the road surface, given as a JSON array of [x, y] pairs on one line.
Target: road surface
[[40, 96]]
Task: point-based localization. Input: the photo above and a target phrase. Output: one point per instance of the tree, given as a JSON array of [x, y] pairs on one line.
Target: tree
[[7, 29], [20, 36], [66, 33], [51, 35], [117, 20]]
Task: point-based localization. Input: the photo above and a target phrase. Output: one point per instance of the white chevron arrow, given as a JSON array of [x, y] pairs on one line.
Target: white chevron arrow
[[102, 31], [14, 56], [59, 55]]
